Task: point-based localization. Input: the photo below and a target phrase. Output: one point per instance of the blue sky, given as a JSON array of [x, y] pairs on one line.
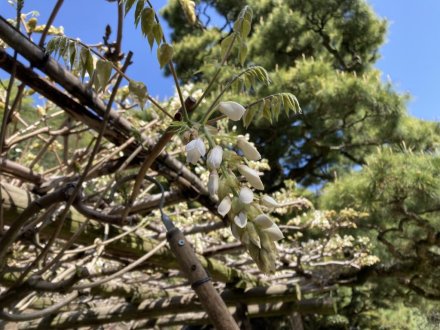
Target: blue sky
[[409, 58]]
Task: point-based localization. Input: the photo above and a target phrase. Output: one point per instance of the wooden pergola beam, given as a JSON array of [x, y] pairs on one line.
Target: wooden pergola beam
[[271, 301], [130, 246]]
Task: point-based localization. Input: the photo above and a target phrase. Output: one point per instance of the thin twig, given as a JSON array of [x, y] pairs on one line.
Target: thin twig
[[123, 270], [50, 22]]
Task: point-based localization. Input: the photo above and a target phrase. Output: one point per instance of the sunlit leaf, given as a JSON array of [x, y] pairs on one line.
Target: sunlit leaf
[[164, 54], [226, 44], [139, 91], [103, 72], [137, 12], [128, 5], [158, 33], [147, 21]]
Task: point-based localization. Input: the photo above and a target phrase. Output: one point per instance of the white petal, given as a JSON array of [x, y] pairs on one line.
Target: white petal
[[200, 147], [213, 183], [194, 150], [249, 151], [246, 195], [224, 207], [192, 156], [233, 110], [251, 176], [274, 233], [269, 202], [241, 220], [263, 221], [215, 157]]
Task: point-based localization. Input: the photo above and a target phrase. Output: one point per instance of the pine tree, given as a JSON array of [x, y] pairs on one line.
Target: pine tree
[[354, 140]]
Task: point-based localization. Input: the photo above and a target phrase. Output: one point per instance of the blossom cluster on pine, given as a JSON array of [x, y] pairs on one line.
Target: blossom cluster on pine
[[249, 223]]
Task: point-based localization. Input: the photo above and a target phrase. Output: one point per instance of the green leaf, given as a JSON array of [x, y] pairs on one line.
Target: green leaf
[[89, 63], [288, 105], [276, 107], [245, 28], [63, 47], [164, 54], [237, 25], [150, 38], [139, 90], [147, 21], [52, 45], [266, 110], [86, 62], [128, 5], [138, 11], [158, 33], [249, 115], [243, 53], [225, 44], [72, 54], [247, 14], [248, 82], [103, 72]]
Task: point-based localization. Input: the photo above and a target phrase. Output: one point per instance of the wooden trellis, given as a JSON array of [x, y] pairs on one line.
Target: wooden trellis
[[60, 303]]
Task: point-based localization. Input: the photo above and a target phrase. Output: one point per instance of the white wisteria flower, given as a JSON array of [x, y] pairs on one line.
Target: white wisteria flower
[[269, 227], [195, 150], [263, 221], [215, 156], [249, 151], [252, 176], [225, 206], [274, 233], [246, 196], [213, 183], [241, 220], [233, 110], [269, 202]]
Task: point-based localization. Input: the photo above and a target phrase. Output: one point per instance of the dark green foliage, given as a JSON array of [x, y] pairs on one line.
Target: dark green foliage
[[320, 51], [354, 137]]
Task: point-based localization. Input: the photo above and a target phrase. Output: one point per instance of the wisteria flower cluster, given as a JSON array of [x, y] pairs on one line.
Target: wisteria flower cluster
[[239, 202]]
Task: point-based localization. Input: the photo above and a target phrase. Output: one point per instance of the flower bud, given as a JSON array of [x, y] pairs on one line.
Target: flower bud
[[214, 158], [249, 151], [224, 207], [241, 220], [263, 221], [195, 150], [232, 110], [235, 232], [246, 195], [253, 234], [251, 176], [269, 202], [213, 183], [274, 233]]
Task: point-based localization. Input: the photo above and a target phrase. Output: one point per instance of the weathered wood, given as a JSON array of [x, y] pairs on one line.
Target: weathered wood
[[200, 281], [121, 127], [19, 171], [260, 303], [324, 307], [130, 246]]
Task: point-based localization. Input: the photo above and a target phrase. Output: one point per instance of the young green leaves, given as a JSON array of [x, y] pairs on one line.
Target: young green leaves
[[146, 16], [241, 30], [270, 107], [139, 92], [164, 54]]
